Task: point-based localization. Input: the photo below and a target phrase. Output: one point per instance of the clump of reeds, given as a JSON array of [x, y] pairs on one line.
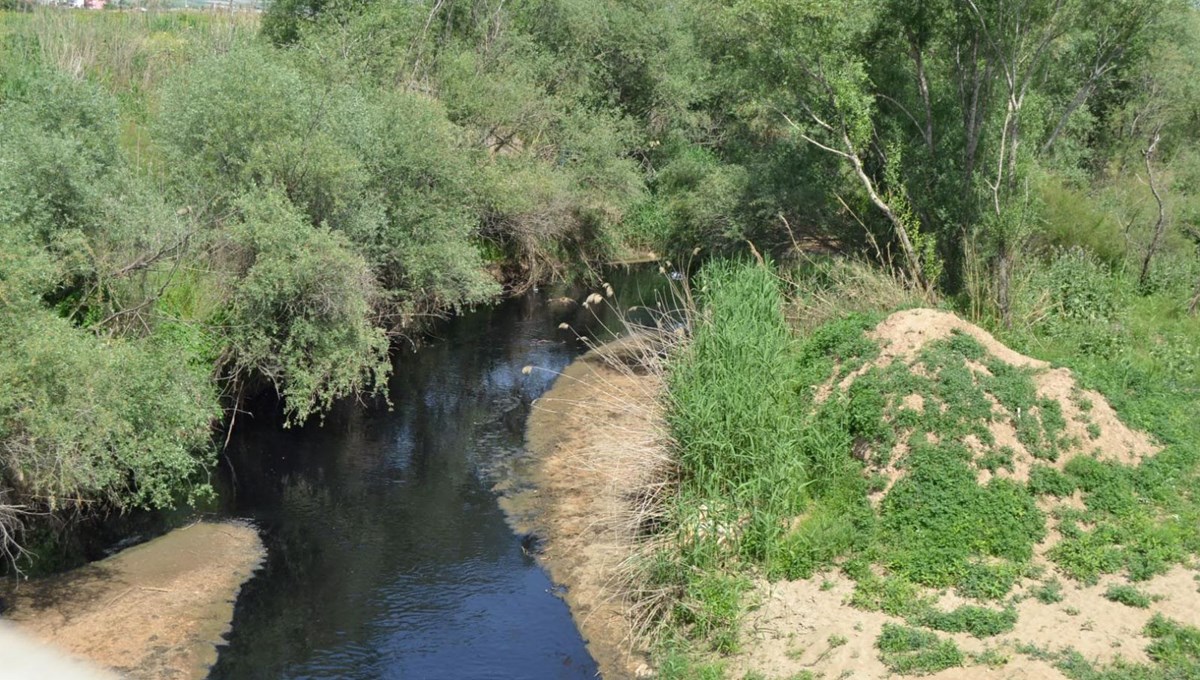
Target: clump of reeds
[[714, 453]]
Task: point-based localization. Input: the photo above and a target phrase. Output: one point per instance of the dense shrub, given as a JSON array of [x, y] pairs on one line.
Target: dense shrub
[[85, 419], [301, 311]]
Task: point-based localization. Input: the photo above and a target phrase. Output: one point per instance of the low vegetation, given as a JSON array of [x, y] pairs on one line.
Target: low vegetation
[[916, 469], [195, 208]]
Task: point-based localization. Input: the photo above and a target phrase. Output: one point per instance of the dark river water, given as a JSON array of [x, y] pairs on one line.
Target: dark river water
[[388, 555]]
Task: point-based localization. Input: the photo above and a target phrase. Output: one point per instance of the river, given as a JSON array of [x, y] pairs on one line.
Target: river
[[388, 555]]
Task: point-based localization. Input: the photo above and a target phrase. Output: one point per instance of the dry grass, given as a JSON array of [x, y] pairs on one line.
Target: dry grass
[[607, 478], [826, 289]]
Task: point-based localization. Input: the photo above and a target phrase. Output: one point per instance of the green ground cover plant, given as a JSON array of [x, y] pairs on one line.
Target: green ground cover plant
[[937, 525], [911, 651], [1128, 595]]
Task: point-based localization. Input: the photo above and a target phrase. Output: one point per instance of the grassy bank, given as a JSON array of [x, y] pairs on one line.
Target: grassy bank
[[805, 448]]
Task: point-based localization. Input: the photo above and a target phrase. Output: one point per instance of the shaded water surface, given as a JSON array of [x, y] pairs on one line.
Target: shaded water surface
[[388, 556]]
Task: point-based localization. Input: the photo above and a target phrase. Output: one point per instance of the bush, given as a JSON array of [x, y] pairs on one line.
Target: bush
[[702, 197], [1045, 480], [249, 119], [1128, 596], [420, 226], [86, 419], [57, 152], [978, 621], [301, 312], [907, 650]]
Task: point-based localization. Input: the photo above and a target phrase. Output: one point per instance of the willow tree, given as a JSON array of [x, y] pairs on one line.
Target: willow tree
[[809, 72]]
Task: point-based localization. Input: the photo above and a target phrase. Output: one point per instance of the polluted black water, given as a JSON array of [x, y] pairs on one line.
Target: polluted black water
[[388, 554]]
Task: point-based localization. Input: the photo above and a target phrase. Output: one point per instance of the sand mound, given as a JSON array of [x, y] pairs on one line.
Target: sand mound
[[596, 443], [799, 626], [905, 333], [1090, 425]]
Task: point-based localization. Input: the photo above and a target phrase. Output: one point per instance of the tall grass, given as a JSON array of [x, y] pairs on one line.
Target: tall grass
[[128, 52], [766, 480], [734, 415]]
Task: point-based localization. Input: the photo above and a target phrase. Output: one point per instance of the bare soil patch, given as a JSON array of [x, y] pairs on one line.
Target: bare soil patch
[[791, 627], [156, 610]]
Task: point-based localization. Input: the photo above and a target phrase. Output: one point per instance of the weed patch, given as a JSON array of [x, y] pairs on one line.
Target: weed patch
[[1128, 595], [1049, 592], [978, 621], [906, 650]]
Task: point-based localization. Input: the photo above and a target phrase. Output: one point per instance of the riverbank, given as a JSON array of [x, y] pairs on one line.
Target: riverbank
[[156, 610], [595, 440], [914, 429]]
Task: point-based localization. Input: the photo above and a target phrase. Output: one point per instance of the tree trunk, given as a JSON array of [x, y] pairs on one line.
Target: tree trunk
[[1161, 225], [1080, 97], [1003, 285], [911, 257]]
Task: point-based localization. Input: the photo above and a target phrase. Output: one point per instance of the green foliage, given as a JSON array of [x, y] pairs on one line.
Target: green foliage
[[86, 418], [987, 581], [1175, 646], [418, 229], [730, 424], [937, 517], [1128, 596], [891, 595], [978, 621], [711, 608], [249, 119], [1074, 223], [911, 651], [1084, 556], [301, 311], [677, 665], [1045, 480], [1049, 592], [764, 477], [702, 198]]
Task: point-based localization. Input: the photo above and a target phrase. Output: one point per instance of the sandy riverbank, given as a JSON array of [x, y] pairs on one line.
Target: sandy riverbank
[[156, 610], [592, 439]]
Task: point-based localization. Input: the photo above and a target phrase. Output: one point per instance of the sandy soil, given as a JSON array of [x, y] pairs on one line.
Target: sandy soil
[[790, 628], [596, 442], [156, 610]]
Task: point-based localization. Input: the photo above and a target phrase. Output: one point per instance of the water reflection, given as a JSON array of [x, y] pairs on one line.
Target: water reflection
[[388, 555]]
